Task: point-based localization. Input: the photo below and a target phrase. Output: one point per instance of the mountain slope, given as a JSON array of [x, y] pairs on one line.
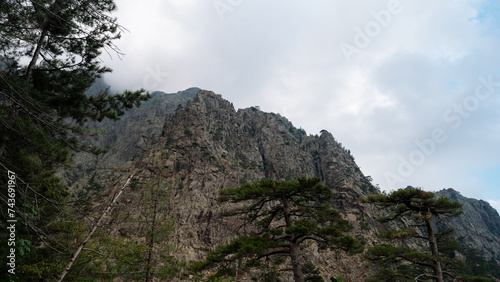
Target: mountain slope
[[478, 227], [127, 138], [205, 145]]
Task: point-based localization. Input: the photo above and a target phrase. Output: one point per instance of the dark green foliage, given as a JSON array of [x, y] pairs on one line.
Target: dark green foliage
[[337, 278], [408, 201], [312, 273], [476, 265], [142, 253], [238, 249], [49, 58], [286, 214], [43, 104], [388, 260], [468, 278], [395, 260]]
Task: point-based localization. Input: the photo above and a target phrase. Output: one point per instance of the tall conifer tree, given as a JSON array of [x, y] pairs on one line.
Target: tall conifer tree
[[287, 215], [427, 211], [49, 57]]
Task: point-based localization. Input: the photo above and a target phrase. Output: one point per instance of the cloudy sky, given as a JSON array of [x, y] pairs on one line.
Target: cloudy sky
[[412, 88]]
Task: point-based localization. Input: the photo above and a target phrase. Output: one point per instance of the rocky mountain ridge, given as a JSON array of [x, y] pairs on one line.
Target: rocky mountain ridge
[[478, 227], [126, 139], [199, 144]]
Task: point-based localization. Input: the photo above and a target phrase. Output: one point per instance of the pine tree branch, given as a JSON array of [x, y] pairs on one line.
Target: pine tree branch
[[420, 237], [282, 251], [424, 275], [296, 239], [94, 228]]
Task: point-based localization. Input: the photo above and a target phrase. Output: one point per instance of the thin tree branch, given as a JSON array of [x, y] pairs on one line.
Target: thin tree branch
[[94, 228]]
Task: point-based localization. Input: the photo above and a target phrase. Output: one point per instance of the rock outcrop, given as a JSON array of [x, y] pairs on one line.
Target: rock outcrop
[[127, 139], [478, 227], [204, 145]]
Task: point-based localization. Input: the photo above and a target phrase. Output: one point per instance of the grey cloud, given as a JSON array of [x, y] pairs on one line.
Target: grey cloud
[[285, 57]]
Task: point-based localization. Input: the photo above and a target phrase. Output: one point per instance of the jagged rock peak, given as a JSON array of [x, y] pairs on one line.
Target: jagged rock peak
[[189, 93], [478, 226]]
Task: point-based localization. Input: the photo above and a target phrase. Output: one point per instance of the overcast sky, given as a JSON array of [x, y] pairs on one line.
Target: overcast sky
[[412, 88]]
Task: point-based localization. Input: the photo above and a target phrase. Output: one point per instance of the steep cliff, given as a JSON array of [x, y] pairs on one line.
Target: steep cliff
[[205, 145], [126, 139], [478, 227]]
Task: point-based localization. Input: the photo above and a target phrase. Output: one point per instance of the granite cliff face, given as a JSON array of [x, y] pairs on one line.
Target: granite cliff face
[[201, 146], [478, 227], [127, 139]]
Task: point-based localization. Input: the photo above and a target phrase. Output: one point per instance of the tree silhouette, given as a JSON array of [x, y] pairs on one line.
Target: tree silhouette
[[427, 211], [286, 215], [49, 58]]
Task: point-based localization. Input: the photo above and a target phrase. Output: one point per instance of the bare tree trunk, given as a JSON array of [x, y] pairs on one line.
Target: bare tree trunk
[[55, 9], [436, 265], [94, 228], [14, 111], [34, 59], [298, 274]]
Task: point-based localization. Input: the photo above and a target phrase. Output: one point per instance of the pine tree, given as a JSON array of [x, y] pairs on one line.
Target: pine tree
[[427, 211], [154, 208], [287, 215], [141, 254], [49, 57], [43, 103]]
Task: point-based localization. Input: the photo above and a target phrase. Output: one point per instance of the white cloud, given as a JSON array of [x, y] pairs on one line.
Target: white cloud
[[285, 57]]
